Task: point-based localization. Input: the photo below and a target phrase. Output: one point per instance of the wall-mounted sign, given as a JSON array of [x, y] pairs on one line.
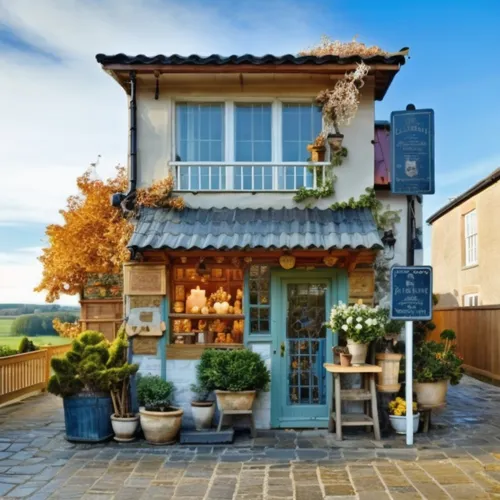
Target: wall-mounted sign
[[145, 279], [145, 321], [411, 293], [412, 152]]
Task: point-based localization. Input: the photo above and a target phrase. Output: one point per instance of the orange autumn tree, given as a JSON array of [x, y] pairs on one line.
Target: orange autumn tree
[[92, 238]]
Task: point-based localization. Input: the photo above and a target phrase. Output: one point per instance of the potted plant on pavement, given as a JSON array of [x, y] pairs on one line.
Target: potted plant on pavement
[[78, 379], [360, 325], [397, 416], [434, 365], [203, 410], [117, 374], [160, 421], [388, 360], [235, 376]]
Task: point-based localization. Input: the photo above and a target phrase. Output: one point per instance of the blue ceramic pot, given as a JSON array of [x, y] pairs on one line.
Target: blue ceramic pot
[[87, 417]]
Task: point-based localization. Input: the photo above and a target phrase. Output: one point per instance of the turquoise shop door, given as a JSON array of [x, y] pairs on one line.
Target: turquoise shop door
[[303, 343]]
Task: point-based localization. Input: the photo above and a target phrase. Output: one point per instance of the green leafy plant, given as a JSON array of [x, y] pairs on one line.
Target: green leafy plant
[[233, 370], [7, 351], [117, 374], [154, 393], [201, 392], [359, 322], [82, 368], [337, 157], [435, 361], [323, 191], [26, 345]]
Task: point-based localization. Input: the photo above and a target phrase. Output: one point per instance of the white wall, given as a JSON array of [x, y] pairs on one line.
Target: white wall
[[155, 149]]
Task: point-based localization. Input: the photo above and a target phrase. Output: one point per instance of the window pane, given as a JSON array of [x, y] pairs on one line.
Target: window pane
[[253, 132], [199, 131], [301, 124], [259, 278]]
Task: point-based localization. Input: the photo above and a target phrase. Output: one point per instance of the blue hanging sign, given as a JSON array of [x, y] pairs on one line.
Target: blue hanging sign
[[412, 152], [411, 293]]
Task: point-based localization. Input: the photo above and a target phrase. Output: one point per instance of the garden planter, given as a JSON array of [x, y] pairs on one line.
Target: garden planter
[[124, 428], [161, 427], [345, 359], [229, 400], [388, 380], [431, 393], [358, 351], [203, 413], [317, 153], [399, 423], [335, 141], [87, 417]]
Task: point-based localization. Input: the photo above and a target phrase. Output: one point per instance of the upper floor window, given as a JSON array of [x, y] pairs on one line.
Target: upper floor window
[[470, 221], [471, 299], [244, 145]]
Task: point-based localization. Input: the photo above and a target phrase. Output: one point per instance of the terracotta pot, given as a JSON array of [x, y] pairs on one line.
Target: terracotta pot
[[388, 379], [229, 400], [124, 428], [345, 359], [161, 427], [399, 423], [431, 393], [203, 413], [358, 351], [317, 153]]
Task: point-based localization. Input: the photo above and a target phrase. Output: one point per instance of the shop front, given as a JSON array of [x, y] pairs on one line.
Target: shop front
[[258, 279]]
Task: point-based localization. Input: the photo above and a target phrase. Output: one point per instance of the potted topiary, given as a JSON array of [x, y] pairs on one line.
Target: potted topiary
[[78, 380], [160, 421], [117, 376], [235, 376], [434, 365], [360, 325]]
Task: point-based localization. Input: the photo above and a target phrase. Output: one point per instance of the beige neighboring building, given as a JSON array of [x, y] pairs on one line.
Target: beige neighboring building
[[466, 246]]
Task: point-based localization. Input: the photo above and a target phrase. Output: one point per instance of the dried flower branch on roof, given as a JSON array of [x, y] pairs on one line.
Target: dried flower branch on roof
[[329, 47]]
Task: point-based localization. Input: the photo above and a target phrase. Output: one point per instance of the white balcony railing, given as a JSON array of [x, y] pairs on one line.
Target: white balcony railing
[[249, 176]]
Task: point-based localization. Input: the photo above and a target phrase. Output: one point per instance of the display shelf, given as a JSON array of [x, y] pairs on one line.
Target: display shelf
[[205, 316], [194, 351]]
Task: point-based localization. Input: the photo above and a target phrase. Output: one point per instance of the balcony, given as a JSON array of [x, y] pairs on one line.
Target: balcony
[[249, 176]]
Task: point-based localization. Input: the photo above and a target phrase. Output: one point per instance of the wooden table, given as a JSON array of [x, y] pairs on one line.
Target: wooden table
[[367, 394]]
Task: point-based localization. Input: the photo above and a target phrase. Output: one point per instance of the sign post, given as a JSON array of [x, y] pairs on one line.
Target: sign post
[[411, 299]]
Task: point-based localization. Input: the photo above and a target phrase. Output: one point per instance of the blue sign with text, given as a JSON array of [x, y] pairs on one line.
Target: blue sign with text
[[412, 152], [411, 293]]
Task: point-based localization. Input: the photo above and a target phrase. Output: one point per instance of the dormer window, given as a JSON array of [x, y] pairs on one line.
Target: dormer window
[[245, 146]]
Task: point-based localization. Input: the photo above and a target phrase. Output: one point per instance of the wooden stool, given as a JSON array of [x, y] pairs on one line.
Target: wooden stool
[[368, 394], [223, 413], [426, 411]]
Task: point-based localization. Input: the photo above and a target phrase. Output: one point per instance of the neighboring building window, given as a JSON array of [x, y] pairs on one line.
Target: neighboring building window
[[301, 125], [200, 137], [253, 142], [260, 304], [471, 299], [470, 221]]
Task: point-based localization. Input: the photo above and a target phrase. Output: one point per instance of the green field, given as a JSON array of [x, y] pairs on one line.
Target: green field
[[12, 341]]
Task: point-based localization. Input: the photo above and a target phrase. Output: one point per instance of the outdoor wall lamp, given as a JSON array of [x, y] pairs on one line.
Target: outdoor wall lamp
[[389, 242]]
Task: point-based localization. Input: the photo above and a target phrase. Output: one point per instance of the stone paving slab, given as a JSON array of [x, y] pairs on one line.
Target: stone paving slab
[[459, 458]]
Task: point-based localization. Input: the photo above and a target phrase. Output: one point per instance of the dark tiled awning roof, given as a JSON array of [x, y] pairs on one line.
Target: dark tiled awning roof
[[217, 60], [226, 229]]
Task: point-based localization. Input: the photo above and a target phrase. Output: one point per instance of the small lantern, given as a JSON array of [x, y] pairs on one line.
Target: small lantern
[[330, 260], [389, 241], [287, 261]]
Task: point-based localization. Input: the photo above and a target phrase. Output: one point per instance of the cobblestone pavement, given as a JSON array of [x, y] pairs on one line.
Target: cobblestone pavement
[[459, 458]]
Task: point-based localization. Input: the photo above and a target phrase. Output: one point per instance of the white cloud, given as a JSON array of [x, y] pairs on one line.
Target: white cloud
[[56, 117]]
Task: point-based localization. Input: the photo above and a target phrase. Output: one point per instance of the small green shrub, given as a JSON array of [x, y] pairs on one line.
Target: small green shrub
[[82, 368], [154, 393], [233, 370], [26, 345], [7, 351]]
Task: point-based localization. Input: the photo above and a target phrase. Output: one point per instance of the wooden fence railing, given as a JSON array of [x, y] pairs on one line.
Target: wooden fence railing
[[478, 336], [25, 373]]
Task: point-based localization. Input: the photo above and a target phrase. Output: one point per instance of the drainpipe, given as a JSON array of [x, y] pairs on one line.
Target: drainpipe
[[126, 200]]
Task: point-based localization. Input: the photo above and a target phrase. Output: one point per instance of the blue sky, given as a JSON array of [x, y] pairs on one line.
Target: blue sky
[[60, 111]]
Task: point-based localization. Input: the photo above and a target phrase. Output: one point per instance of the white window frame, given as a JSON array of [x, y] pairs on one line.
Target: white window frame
[[471, 300], [470, 238], [229, 129]]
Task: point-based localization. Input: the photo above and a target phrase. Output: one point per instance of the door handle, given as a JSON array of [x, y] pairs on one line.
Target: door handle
[[282, 349]]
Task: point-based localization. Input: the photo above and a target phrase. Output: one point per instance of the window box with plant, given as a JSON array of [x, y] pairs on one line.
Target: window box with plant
[[78, 380], [434, 365], [160, 421], [359, 324], [235, 376]]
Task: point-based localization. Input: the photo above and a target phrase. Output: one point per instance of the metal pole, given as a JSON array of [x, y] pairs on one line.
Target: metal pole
[[409, 380]]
